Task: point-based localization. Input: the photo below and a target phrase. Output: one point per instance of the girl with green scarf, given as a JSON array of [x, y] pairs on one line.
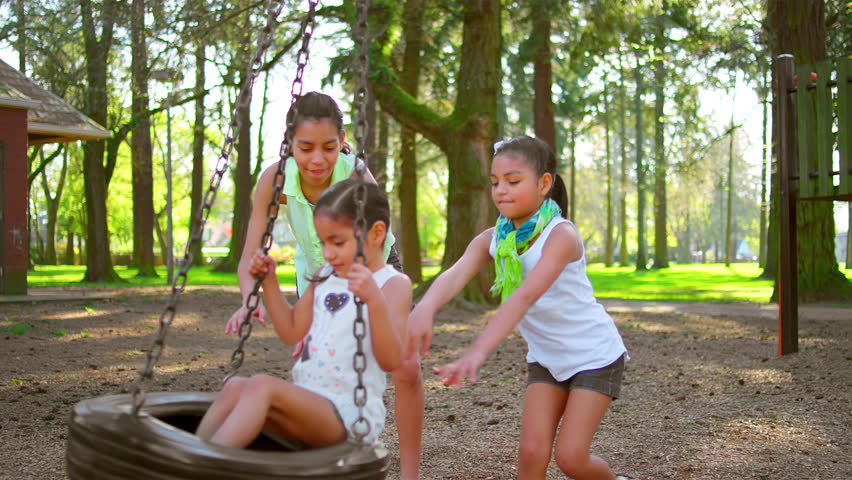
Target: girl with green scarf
[[575, 355]]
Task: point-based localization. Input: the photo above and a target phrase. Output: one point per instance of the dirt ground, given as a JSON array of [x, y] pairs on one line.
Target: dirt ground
[[705, 395]]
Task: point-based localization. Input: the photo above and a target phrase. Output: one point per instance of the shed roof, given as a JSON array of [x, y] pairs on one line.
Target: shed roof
[[49, 118]]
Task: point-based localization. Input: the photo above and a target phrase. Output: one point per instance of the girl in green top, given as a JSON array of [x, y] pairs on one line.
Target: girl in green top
[[321, 158]]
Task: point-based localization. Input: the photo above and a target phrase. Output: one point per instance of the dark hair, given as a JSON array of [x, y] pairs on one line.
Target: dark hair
[[314, 106], [338, 202], [541, 158]]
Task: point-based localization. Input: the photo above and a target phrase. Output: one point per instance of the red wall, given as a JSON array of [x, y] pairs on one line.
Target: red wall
[[13, 201]]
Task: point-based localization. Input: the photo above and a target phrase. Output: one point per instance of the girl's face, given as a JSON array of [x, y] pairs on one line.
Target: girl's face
[[316, 145], [339, 243], [516, 189]]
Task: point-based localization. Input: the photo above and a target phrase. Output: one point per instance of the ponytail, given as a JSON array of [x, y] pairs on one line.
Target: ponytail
[[559, 194]]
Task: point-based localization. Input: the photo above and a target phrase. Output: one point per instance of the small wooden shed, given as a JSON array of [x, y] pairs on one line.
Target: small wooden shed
[[29, 115]]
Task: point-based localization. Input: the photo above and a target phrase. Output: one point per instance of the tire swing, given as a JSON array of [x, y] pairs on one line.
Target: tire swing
[[137, 436]]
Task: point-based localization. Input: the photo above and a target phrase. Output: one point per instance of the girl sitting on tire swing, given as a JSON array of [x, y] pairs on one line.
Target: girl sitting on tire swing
[[318, 408]]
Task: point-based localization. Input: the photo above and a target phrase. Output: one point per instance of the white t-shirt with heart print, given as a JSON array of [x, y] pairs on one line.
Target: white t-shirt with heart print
[[325, 364]]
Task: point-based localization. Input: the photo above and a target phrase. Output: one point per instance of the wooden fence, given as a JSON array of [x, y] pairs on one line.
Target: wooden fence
[[813, 164]]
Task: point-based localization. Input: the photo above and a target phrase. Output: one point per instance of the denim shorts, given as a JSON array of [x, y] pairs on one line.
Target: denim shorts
[[606, 380]]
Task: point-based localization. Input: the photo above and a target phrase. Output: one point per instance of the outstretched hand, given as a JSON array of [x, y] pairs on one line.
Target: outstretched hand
[[233, 325], [261, 265], [419, 331], [454, 374]]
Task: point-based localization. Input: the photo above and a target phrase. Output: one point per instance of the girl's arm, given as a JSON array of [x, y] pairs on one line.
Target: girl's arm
[[254, 233], [563, 247], [291, 324], [443, 289], [388, 313]]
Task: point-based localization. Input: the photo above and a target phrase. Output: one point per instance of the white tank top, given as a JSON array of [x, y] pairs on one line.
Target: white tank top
[[325, 365], [567, 331]]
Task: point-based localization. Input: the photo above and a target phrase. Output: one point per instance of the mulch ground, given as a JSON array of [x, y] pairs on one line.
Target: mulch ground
[[705, 394]]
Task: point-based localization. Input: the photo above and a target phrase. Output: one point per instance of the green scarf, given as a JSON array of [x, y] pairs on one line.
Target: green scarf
[[511, 243]]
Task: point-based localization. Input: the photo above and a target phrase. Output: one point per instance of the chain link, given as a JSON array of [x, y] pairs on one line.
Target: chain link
[[360, 426], [253, 298], [146, 372]]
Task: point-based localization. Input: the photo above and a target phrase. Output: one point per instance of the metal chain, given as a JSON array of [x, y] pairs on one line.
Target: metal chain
[[361, 67], [253, 299], [146, 372], [361, 426]]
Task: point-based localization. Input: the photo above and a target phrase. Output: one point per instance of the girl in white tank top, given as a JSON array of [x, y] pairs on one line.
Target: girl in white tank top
[[318, 408], [541, 278]]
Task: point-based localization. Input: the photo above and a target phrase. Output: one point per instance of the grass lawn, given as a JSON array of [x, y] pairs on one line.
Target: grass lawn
[[686, 283], [60, 275]]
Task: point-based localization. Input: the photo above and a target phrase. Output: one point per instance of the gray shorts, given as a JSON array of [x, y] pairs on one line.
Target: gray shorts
[[606, 380]]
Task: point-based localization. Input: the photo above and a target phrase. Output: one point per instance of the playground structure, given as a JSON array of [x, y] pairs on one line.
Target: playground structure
[[807, 110]]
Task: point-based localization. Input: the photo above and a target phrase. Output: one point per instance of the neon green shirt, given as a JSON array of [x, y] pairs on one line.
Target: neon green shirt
[[308, 256]]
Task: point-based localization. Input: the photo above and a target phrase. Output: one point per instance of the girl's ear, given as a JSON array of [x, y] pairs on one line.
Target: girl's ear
[[377, 233], [545, 183]]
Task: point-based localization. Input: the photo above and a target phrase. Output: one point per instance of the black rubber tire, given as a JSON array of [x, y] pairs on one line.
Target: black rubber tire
[[107, 442]]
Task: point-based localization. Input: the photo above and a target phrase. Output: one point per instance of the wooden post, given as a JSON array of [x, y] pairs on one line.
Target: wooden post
[[788, 301]]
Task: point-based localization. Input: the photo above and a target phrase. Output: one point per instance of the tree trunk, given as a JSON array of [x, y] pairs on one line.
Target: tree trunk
[[609, 211], [95, 179], [141, 150], [572, 188], [623, 256], [69, 244], [545, 127], [36, 255], [762, 92], [410, 82], [242, 172], [729, 190], [21, 43], [52, 203], [466, 136], [641, 241], [798, 27], [198, 140], [371, 112], [661, 244], [381, 155]]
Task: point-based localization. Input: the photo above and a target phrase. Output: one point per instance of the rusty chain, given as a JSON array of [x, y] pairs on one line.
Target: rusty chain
[[146, 372], [360, 426], [253, 299]]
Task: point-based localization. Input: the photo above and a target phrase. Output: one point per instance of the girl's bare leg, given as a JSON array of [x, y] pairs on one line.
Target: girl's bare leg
[[409, 404], [583, 414], [543, 405], [290, 410], [221, 408]]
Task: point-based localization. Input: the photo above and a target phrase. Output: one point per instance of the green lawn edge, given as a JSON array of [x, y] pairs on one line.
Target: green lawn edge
[[704, 282]]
